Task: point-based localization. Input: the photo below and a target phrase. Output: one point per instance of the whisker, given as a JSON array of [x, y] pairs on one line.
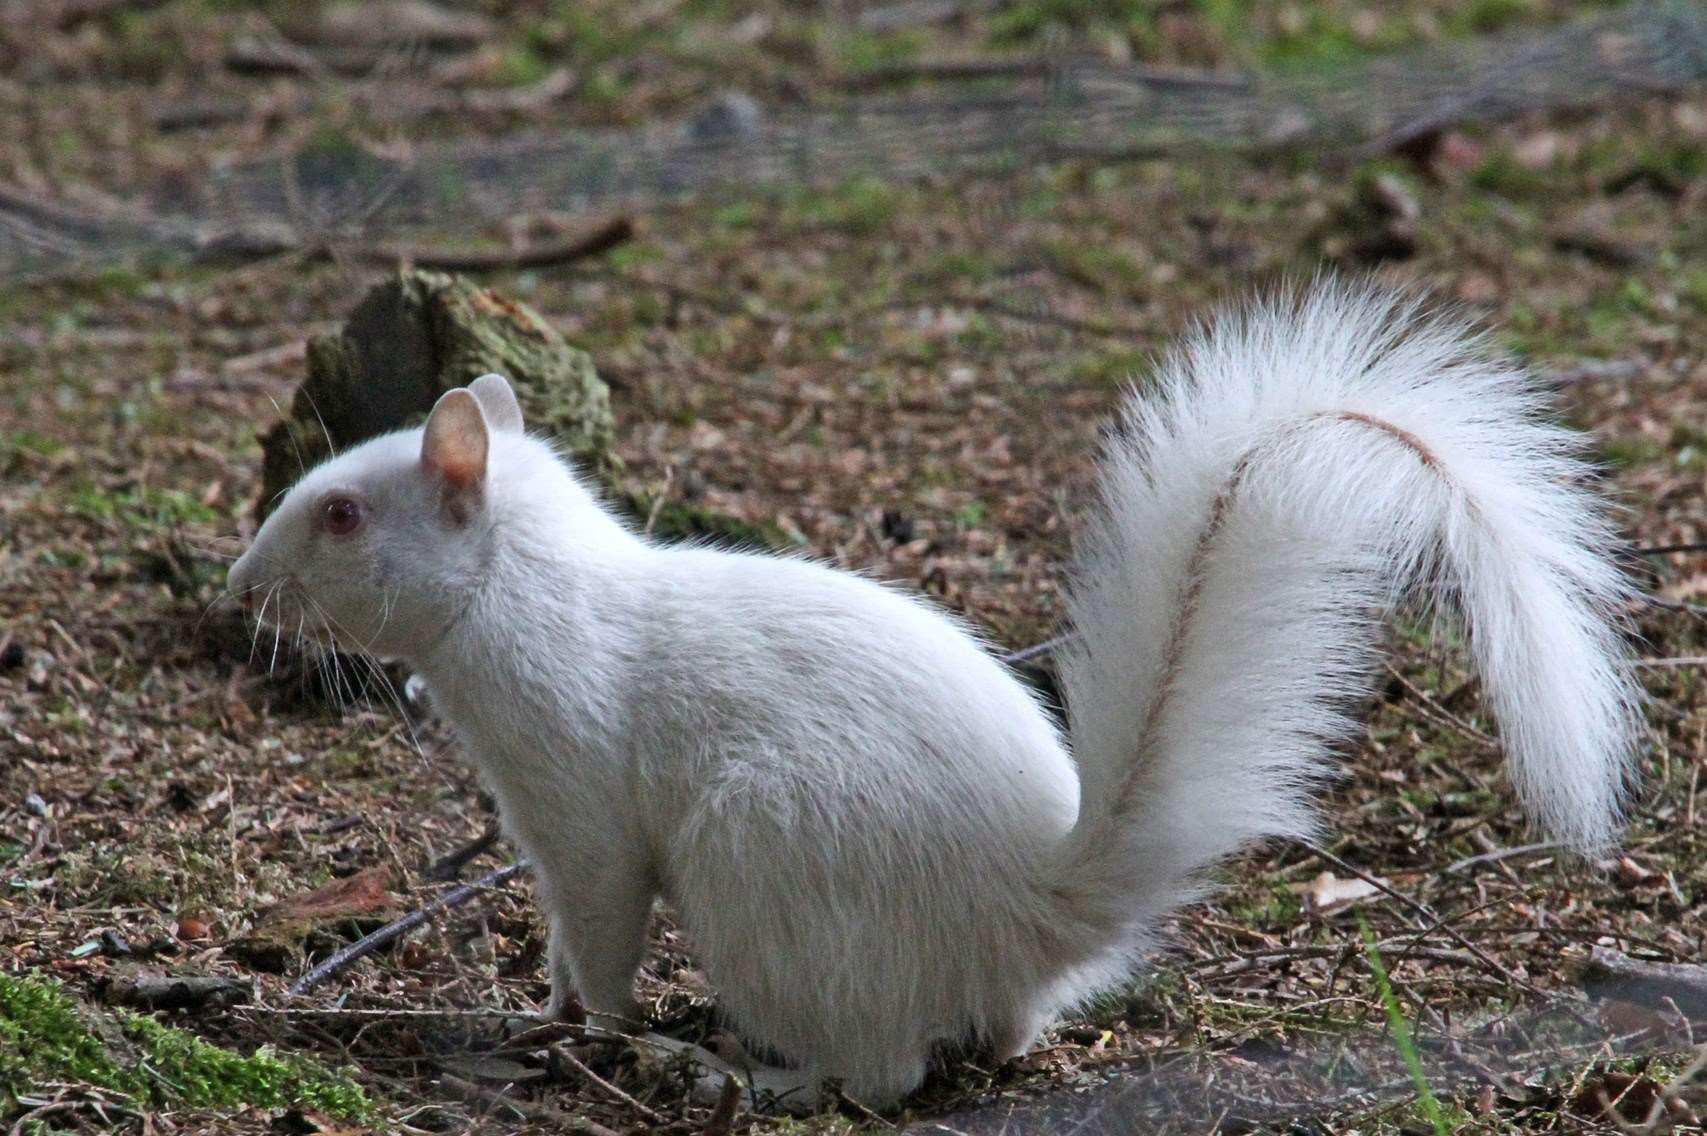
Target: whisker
[[260, 621], [331, 446], [290, 436], [222, 594], [273, 665], [378, 673]]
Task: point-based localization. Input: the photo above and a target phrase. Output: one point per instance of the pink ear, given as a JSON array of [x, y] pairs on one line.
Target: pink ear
[[453, 445]]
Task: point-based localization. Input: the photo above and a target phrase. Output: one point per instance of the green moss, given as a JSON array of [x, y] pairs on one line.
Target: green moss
[[864, 51], [1023, 21], [860, 205], [1272, 906], [208, 1075], [45, 1036], [165, 507], [971, 515], [1479, 17], [1500, 172], [38, 1019], [521, 65], [1098, 266], [1111, 366], [140, 875]]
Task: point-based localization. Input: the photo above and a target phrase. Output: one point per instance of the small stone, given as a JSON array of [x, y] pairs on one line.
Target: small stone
[[730, 116], [34, 805], [39, 663]]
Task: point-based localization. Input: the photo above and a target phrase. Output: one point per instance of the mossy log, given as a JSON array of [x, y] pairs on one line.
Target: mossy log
[[411, 339]]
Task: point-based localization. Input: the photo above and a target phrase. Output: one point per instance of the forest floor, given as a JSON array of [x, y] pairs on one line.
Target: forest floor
[[903, 378]]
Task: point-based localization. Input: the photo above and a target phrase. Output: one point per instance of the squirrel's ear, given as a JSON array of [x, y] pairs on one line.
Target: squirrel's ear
[[454, 443], [503, 412]]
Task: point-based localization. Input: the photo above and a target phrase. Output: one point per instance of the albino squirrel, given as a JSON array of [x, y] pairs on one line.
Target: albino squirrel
[[875, 836]]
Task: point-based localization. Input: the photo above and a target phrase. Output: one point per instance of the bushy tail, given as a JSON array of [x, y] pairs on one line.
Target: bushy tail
[[1296, 470]]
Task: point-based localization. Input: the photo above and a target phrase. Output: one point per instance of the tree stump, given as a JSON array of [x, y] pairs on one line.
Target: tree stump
[[411, 339]]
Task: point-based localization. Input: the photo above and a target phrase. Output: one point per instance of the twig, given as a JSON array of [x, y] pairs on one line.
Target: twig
[[1673, 662], [1040, 66], [992, 67], [1500, 854], [176, 991], [1054, 319], [920, 13], [1697, 610], [1226, 966], [1437, 922], [1431, 706], [1609, 973], [1668, 549], [660, 500], [529, 1110], [450, 866], [723, 1116], [1592, 371], [67, 14], [601, 238], [1026, 654], [389, 103], [561, 1052], [401, 926]]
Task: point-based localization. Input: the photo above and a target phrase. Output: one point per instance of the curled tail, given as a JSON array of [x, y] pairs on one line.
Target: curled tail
[[1295, 471]]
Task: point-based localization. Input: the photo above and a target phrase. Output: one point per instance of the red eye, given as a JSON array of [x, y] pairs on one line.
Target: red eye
[[341, 516]]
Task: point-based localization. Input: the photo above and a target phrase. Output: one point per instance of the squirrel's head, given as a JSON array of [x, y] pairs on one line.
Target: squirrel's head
[[380, 548]]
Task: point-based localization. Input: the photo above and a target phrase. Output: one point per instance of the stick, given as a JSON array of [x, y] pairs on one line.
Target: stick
[[1035, 66], [399, 927], [1436, 922], [176, 991], [723, 1116], [1501, 854], [561, 1053], [601, 238], [389, 103], [1668, 549], [450, 866], [1610, 974], [1025, 654], [530, 1110]]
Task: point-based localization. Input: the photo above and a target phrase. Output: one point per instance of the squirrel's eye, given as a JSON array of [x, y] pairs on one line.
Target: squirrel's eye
[[341, 516]]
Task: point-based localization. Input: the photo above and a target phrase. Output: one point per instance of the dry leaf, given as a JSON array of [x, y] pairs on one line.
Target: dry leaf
[[1327, 893]]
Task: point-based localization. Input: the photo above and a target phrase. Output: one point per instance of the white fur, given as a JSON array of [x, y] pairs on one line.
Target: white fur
[[872, 832]]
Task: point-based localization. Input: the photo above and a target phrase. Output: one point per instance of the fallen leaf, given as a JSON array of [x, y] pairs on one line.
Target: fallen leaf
[[1327, 893], [364, 893], [281, 931], [1618, 1096]]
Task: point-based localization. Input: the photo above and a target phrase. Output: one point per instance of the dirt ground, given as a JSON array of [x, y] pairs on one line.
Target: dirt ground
[[904, 378]]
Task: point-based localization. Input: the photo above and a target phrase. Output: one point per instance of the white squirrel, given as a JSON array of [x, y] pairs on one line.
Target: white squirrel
[[875, 836]]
